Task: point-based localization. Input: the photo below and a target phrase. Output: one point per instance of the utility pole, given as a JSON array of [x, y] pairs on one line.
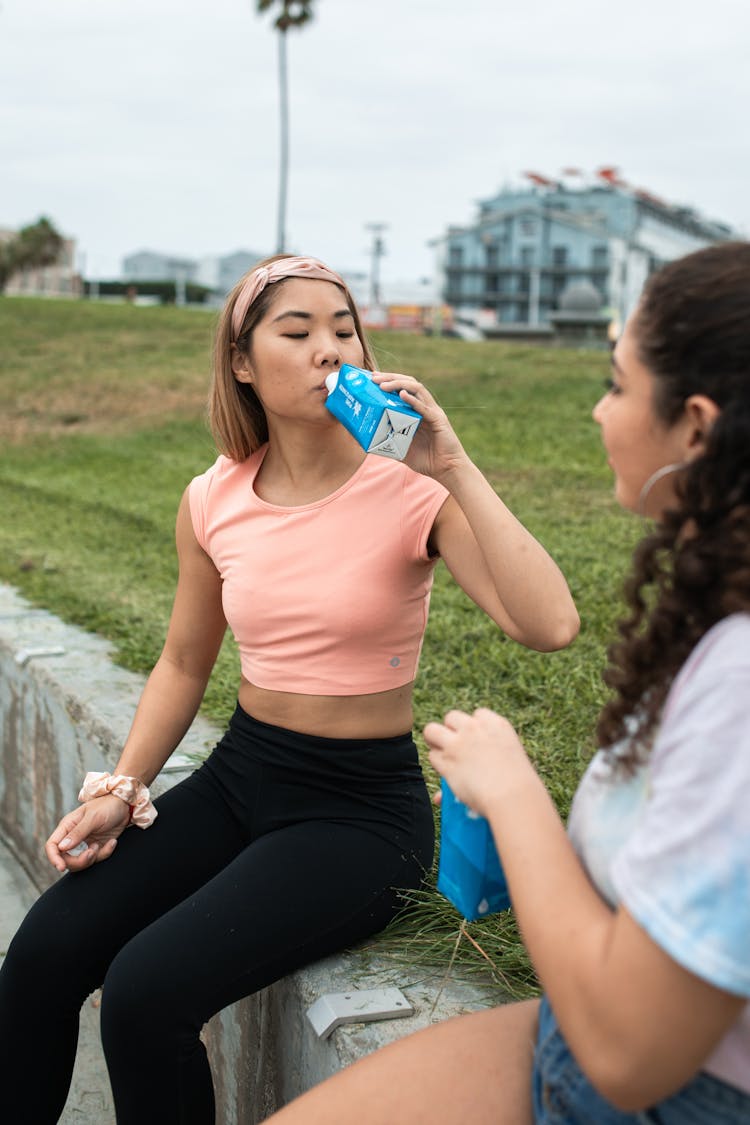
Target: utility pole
[[283, 142], [377, 251]]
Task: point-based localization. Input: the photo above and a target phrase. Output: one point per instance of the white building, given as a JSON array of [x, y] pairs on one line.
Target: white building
[[149, 265]]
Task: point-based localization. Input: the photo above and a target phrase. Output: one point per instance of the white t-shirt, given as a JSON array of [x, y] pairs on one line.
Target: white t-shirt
[[672, 842]]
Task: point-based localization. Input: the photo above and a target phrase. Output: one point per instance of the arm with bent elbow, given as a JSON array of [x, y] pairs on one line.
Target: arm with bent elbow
[[168, 704], [495, 560], [639, 1025], [500, 564]]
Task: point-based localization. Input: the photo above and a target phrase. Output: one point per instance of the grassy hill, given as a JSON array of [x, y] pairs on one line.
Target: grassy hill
[[102, 425]]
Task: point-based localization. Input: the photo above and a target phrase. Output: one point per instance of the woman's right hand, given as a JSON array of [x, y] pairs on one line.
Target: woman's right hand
[[97, 823], [435, 450], [480, 756]]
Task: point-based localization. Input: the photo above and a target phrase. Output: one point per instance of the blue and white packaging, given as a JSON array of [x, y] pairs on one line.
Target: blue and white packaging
[[380, 422], [469, 871]]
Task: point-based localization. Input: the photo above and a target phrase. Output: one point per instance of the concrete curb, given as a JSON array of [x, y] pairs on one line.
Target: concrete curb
[[66, 708]]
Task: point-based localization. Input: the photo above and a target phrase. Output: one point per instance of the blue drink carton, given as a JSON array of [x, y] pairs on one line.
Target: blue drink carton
[[380, 422], [469, 871]]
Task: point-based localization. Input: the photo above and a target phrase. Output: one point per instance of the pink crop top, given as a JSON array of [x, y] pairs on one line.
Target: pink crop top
[[330, 598]]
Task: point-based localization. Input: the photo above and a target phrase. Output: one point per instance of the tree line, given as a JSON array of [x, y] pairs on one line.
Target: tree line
[[32, 247]]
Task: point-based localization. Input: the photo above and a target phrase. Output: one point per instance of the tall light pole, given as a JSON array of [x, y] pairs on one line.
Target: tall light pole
[[377, 251], [293, 13], [283, 142]]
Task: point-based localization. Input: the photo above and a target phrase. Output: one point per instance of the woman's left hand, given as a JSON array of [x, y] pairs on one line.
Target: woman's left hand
[[480, 756], [435, 449]]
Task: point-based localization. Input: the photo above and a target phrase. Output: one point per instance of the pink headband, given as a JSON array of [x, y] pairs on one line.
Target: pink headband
[[257, 281]]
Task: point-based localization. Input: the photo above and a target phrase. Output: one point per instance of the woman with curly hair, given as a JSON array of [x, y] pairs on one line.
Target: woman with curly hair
[[638, 919]]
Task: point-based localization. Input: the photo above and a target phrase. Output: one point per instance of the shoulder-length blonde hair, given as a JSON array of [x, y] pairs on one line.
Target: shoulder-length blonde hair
[[236, 416]]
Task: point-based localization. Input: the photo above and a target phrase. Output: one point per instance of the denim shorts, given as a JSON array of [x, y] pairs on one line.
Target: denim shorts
[[564, 1096]]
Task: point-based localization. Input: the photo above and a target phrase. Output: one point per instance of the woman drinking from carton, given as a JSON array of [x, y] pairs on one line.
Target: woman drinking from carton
[[637, 922], [294, 838]]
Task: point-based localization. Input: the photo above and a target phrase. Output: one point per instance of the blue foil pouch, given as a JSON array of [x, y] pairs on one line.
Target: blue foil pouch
[[469, 871]]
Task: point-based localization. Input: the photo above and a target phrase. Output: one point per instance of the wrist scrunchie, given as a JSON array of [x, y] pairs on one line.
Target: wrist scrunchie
[[129, 789]]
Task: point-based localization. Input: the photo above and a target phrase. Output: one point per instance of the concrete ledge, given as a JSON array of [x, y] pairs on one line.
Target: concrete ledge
[[66, 708]]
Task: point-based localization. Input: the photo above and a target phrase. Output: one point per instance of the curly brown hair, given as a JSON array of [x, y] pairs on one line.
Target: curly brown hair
[[692, 329]]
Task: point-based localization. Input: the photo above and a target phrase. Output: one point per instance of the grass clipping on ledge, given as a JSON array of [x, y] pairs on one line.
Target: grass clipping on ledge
[[492, 953]]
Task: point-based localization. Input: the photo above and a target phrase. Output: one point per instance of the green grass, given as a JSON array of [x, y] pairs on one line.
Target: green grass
[[102, 426]]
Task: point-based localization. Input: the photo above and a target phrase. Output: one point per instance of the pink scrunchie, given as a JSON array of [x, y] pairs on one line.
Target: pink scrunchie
[[257, 281], [129, 789]]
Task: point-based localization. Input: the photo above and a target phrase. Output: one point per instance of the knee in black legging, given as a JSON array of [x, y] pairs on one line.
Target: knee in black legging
[[140, 1002], [47, 958], [148, 1029]]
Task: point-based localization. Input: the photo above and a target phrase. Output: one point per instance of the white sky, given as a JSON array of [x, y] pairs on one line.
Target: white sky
[[154, 123]]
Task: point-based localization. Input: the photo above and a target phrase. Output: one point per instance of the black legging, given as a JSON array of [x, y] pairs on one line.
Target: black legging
[[282, 848]]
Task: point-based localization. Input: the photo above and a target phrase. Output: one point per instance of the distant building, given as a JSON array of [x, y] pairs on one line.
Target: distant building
[[148, 265], [219, 273], [56, 280], [528, 244]]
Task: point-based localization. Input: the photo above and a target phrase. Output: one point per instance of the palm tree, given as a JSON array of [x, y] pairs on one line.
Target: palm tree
[[36, 245], [294, 13]]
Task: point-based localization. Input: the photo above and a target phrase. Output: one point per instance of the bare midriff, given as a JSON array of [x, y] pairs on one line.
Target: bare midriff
[[380, 715]]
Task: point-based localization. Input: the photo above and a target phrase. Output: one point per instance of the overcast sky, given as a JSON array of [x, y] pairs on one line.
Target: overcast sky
[[154, 123]]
